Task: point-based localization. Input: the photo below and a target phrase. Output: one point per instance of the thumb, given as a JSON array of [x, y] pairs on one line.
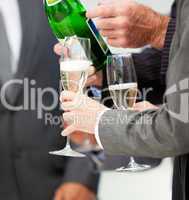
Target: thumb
[[67, 96]]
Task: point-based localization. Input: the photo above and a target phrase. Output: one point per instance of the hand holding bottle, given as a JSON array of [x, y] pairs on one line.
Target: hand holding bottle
[[127, 23]]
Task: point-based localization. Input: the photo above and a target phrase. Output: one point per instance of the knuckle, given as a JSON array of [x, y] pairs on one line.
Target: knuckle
[[123, 33], [122, 22], [109, 25]]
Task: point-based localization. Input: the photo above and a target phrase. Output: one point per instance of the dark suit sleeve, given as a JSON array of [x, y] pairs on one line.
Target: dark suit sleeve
[[165, 131], [151, 64], [81, 170], [148, 65]]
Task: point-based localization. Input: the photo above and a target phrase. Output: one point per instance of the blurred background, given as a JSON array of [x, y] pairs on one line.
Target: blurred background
[[154, 184]]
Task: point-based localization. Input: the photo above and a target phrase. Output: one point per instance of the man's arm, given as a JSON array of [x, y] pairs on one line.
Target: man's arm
[[164, 133]]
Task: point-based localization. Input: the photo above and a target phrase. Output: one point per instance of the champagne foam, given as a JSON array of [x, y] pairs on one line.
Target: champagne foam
[[122, 86], [75, 65]]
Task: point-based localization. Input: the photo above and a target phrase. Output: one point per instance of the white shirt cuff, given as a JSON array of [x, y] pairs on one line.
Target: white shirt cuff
[[96, 128]]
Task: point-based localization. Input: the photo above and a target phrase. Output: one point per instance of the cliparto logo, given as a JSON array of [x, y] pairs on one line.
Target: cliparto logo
[[180, 91]]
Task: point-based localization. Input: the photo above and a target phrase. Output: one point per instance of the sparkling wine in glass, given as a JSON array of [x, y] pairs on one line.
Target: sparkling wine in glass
[[122, 84]]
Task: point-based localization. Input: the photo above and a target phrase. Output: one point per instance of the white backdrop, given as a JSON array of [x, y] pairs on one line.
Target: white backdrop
[[162, 6], [154, 184]]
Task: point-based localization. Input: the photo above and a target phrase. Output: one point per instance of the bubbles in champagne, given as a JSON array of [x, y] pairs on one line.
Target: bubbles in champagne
[[124, 95], [123, 86], [75, 65], [74, 74]]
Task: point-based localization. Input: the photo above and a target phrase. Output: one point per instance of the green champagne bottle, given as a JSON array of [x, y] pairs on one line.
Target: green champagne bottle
[[67, 18]]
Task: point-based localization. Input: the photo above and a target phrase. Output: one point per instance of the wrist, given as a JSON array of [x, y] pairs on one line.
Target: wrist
[[159, 33]]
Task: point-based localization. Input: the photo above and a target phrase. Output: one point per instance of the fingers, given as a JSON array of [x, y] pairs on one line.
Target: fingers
[[95, 79], [144, 105], [91, 70], [91, 80], [71, 105], [70, 118], [139, 106], [118, 42], [60, 50], [108, 23], [68, 131], [67, 96], [114, 33], [72, 101]]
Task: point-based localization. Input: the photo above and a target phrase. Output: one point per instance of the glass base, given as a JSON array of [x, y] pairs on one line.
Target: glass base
[[68, 152], [134, 167]]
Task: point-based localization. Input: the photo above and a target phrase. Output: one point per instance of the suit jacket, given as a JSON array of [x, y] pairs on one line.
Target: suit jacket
[[166, 134], [147, 66], [151, 67], [27, 171]]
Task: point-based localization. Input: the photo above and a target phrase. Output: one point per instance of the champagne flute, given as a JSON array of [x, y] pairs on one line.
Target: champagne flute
[[122, 84], [74, 67]]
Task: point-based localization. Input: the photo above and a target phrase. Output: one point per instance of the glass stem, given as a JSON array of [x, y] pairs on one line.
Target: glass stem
[[132, 160], [68, 145]]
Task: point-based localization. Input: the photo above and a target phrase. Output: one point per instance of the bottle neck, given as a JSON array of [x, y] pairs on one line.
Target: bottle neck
[[76, 4], [52, 2]]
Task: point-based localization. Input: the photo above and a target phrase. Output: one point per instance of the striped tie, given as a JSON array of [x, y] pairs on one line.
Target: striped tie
[[167, 45]]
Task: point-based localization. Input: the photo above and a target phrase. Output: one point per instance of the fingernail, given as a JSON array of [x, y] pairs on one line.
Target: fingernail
[[64, 134]]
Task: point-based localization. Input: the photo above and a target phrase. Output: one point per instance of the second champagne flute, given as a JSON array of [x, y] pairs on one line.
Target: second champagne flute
[[122, 84]]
